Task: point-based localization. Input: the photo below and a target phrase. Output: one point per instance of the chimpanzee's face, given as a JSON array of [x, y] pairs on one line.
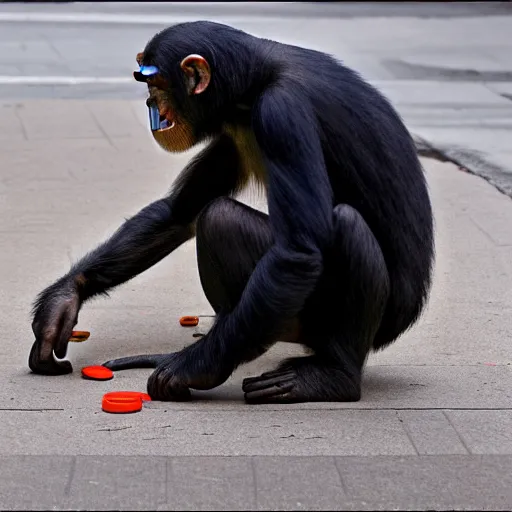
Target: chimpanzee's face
[[170, 130]]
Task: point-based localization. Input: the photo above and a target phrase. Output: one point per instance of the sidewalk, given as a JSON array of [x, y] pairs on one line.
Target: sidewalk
[[432, 431]]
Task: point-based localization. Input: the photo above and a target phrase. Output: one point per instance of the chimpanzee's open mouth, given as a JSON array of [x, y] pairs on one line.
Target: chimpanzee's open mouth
[[158, 122], [166, 125]]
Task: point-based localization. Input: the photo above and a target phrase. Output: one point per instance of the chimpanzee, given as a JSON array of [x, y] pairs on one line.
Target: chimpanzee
[[343, 262]]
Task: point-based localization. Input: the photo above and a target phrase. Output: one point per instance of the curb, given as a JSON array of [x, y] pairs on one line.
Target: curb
[[469, 161]]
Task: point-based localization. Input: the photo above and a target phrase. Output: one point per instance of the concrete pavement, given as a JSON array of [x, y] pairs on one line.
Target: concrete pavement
[[432, 431], [434, 427]]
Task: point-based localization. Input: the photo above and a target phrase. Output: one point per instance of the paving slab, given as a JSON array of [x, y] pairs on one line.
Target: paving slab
[[428, 483], [136, 483], [432, 433], [28, 483], [171, 431], [294, 488], [483, 431], [257, 483]]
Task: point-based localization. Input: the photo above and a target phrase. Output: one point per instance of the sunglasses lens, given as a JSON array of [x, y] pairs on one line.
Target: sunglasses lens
[[154, 118], [148, 70]]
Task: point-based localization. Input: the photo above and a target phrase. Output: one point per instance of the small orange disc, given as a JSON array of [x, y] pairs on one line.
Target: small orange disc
[[79, 336], [189, 321], [97, 373], [121, 405], [126, 396]]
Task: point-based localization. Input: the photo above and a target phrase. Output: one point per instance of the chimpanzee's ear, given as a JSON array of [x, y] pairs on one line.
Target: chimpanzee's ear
[[197, 70]]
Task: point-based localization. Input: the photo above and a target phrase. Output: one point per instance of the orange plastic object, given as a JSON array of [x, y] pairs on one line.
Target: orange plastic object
[[127, 396], [79, 336], [121, 405], [189, 321], [97, 373]]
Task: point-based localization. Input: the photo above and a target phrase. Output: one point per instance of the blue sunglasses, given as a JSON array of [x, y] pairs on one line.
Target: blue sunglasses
[[154, 114], [148, 70]]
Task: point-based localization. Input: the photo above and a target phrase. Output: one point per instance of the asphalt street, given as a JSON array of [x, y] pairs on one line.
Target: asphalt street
[[433, 430], [447, 66]]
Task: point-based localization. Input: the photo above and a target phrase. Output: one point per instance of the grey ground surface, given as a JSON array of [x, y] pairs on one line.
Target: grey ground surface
[[434, 427]]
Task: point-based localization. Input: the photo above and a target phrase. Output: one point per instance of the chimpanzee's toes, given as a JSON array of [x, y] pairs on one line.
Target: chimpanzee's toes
[[271, 387], [303, 379]]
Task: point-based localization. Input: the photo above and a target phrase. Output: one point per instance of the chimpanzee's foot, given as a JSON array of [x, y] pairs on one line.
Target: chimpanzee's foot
[[304, 379]]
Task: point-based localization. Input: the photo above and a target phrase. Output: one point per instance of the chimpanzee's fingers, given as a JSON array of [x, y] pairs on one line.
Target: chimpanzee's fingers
[[66, 328], [140, 361], [47, 365]]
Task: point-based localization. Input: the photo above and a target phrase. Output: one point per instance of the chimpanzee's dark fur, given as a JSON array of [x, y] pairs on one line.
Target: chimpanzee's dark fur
[[348, 239]]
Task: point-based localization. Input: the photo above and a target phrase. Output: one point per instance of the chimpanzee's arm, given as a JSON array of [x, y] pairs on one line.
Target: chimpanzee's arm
[[300, 207], [139, 243], [162, 226]]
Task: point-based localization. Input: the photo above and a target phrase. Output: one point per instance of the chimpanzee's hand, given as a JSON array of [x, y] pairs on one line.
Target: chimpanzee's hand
[[193, 368], [55, 316]]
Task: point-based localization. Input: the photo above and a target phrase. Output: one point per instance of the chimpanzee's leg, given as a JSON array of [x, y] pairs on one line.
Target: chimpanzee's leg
[[339, 322], [231, 238]]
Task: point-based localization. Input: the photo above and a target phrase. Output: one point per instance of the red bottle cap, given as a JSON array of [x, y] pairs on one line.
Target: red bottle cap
[[127, 395], [121, 405], [97, 373], [79, 336], [189, 321]]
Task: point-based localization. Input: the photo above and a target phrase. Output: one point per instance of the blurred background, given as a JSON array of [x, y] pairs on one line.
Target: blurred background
[[446, 65]]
